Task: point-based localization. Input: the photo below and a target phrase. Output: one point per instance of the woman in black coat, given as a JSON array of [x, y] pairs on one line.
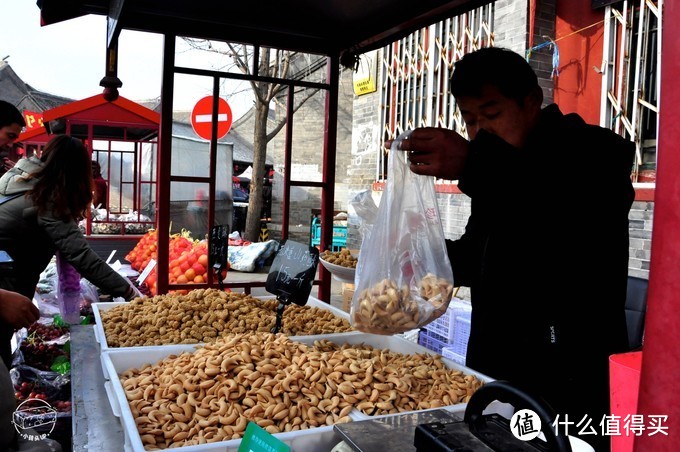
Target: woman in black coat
[[44, 198]]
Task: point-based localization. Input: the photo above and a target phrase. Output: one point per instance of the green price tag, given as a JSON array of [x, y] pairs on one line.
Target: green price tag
[[257, 439]]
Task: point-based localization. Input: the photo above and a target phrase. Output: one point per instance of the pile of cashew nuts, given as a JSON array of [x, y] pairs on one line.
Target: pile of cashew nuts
[[386, 308], [281, 385], [203, 315]]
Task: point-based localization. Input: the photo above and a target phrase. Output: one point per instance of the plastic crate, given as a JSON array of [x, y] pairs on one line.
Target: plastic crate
[[410, 335], [448, 352], [431, 343], [339, 235], [443, 327], [461, 335]]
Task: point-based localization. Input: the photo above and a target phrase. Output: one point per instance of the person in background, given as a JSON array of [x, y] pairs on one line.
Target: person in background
[[11, 124], [101, 188], [51, 194], [547, 267], [16, 311]]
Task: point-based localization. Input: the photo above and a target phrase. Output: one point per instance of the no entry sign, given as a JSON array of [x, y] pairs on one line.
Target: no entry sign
[[201, 117]]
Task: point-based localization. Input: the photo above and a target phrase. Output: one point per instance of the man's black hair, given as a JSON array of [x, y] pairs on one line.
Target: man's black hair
[[494, 66], [9, 114]]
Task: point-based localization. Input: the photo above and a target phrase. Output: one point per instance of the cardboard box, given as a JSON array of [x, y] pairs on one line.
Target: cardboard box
[[347, 294]]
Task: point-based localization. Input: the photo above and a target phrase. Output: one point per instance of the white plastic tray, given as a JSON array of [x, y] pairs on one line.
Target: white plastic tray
[[340, 273], [312, 440], [100, 336]]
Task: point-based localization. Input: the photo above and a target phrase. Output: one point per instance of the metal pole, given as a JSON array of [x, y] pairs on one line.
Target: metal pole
[[329, 150], [164, 164]]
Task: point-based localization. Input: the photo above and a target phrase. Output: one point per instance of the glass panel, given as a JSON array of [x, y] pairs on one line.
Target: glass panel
[[128, 167], [149, 163], [308, 136], [123, 146], [114, 172], [307, 67], [190, 157], [148, 200], [189, 208], [100, 144], [189, 89], [305, 205], [224, 211], [211, 55], [128, 198]]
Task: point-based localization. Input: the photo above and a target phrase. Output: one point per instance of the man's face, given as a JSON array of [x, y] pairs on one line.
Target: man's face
[[8, 134], [499, 115]]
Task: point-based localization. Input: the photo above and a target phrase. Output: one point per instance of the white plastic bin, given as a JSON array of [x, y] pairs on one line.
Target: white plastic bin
[[311, 440], [100, 335]]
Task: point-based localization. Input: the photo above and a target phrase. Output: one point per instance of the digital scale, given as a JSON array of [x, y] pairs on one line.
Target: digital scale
[[443, 431]]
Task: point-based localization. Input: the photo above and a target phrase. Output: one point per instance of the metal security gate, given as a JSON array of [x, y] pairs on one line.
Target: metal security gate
[[416, 70], [632, 74]]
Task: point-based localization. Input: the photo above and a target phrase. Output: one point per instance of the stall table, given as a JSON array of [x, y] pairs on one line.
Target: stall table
[[94, 425]]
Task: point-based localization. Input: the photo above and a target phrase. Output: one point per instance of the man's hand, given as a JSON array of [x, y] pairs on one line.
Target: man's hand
[[435, 151], [17, 310]]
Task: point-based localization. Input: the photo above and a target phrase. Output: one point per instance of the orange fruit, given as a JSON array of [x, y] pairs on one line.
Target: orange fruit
[[198, 279], [190, 274], [203, 260], [181, 279], [198, 268]]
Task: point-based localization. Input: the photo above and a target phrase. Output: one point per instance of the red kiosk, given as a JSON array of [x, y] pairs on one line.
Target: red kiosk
[[122, 136]]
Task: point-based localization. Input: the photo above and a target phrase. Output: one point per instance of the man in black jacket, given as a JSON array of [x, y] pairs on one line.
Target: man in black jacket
[[545, 250]]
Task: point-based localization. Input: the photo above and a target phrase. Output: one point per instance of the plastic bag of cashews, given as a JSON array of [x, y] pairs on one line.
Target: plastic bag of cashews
[[403, 278]]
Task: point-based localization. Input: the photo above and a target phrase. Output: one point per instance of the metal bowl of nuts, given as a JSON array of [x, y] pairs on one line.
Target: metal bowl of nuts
[[341, 264]]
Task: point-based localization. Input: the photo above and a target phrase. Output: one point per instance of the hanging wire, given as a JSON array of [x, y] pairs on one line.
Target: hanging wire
[[555, 58], [556, 51]]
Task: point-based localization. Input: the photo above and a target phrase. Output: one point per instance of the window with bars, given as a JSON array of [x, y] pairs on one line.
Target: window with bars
[[630, 89], [416, 70]]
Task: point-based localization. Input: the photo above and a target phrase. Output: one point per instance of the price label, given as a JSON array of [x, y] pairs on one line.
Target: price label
[[292, 272], [150, 266], [257, 439], [219, 244], [110, 256]]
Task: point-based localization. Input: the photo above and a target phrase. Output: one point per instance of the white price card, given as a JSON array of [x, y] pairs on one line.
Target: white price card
[[110, 256], [116, 265], [150, 266]]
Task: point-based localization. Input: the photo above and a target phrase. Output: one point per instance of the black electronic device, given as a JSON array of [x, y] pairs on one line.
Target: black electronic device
[[291, 276], [218, 254], [491, 432]]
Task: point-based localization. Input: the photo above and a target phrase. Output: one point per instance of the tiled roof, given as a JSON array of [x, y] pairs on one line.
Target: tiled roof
[[14, 90]]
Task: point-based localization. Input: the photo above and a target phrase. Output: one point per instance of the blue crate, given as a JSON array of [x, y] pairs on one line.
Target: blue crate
[[461, 336], [443, 327], [448, 352], [339, 235], [431, 343]]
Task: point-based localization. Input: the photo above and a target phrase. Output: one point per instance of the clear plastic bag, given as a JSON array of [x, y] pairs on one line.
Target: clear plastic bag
[[366, 210], [403, 278]]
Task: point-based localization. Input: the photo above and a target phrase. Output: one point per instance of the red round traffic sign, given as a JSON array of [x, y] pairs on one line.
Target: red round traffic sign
[[201, 117]]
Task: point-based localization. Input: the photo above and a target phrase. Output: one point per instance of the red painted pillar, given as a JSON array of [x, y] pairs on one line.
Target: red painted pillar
[[659, 385]]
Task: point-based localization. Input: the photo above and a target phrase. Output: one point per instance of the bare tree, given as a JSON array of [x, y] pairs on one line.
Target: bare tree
[[273, 63]]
